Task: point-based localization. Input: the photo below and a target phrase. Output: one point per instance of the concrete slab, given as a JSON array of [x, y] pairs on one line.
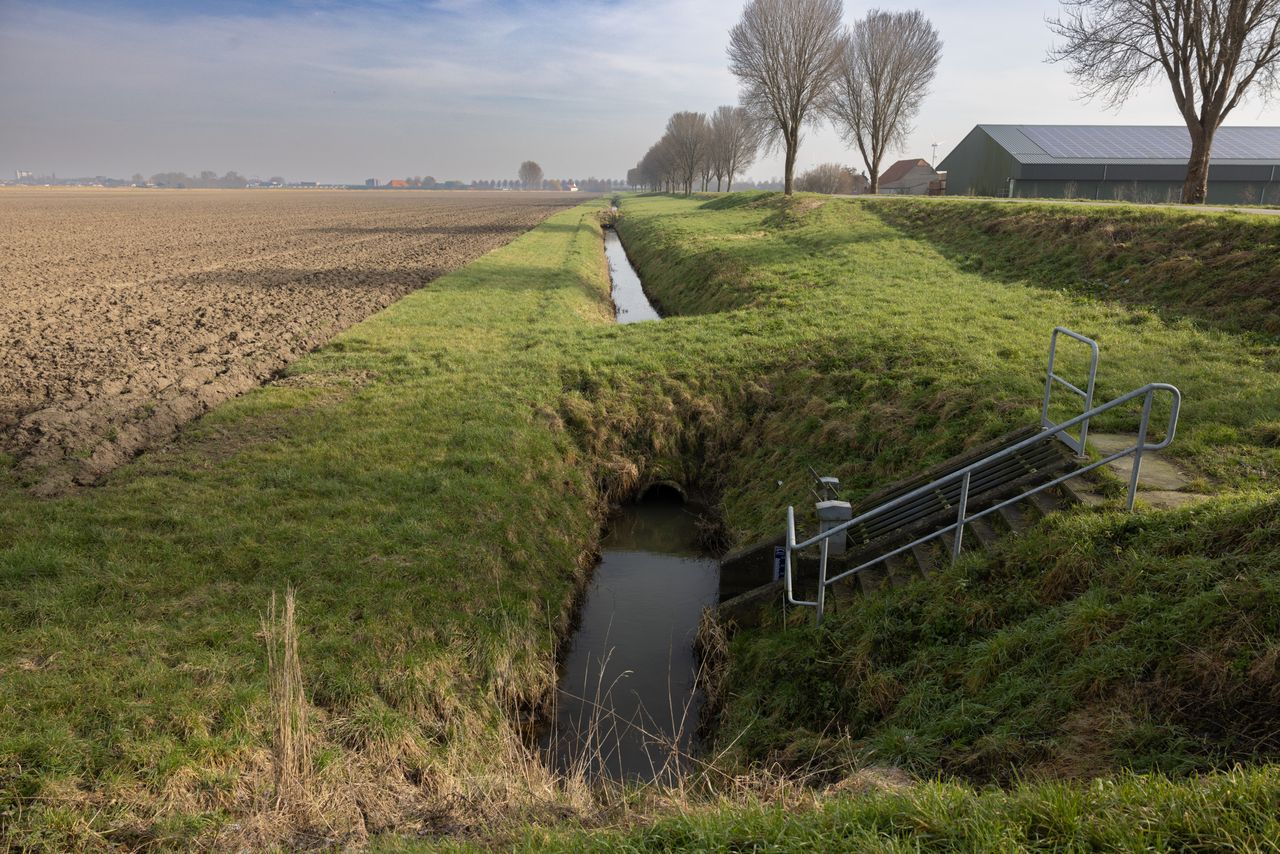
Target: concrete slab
[[1162, 499], [1082, 492], [1156, 473]]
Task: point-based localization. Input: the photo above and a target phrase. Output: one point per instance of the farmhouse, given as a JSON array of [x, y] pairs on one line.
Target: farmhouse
[[909, 178], [1130, 163]]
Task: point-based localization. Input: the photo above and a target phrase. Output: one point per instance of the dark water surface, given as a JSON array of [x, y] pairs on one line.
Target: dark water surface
[[628, 295], [627, 705]]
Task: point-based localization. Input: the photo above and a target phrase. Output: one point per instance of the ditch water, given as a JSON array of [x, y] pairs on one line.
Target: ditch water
[[628, 704], [628, 701], [628, 294]]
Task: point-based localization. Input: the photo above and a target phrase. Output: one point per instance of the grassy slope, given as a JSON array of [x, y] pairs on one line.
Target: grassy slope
[[1102, 641], [1097, 642], [1223, 812], [415, 483], [876, 355], [432, 479], [1001, 663], [1221, 269]]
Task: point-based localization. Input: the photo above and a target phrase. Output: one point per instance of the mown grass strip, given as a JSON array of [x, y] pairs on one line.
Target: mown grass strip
[[412, 480]]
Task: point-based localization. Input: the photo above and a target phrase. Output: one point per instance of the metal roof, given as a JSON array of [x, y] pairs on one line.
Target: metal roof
[[900, 170], [1167, 144]]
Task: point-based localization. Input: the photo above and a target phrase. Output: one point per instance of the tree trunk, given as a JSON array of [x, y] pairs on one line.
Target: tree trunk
[[1196, 187], [788, 186], [873, 186]]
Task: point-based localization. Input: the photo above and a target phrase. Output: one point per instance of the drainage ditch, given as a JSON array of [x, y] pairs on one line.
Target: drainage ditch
[[628, 702], [631, 305]]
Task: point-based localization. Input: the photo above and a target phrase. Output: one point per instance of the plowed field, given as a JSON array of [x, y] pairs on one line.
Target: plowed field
[[125, 314]]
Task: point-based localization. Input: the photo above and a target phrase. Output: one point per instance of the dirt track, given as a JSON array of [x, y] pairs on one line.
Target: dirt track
[[127, 313]]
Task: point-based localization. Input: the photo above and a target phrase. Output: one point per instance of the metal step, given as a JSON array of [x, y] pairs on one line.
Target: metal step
[[1045, 503], [926, 513], [872, 578], [1042, 458], [948, 541], [902, 568], [926, 555], [1016, 517], [984, 532]]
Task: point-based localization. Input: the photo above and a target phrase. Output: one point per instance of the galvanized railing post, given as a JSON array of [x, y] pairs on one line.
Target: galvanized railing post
[[822, 581], [964, 507], [1137, 453], [832, 528], [1086, 393]]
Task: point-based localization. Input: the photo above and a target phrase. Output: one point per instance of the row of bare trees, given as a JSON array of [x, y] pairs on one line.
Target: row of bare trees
[[696, 148], [797, 64]]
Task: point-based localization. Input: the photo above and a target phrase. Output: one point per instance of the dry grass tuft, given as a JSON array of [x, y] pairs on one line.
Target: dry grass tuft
[[291, 754]]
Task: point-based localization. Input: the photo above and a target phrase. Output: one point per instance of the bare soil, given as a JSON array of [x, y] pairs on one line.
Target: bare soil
[[127, 313]]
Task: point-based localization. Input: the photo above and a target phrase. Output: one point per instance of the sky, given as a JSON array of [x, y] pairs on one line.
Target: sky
[[458, 89]]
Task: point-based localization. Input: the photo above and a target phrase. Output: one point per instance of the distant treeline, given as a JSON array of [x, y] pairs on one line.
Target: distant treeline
[[419, 182], [235, 181], [207, 178]]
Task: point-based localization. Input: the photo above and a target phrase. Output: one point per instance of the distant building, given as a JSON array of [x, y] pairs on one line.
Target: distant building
[[398, 184], [909, 178], [371, 182], [1128, 163]]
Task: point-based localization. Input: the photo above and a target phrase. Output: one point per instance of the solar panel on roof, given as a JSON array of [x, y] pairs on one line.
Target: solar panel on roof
[[1093, 142]]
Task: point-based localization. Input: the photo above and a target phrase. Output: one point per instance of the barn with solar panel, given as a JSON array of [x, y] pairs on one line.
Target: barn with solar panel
[[1126, 163]]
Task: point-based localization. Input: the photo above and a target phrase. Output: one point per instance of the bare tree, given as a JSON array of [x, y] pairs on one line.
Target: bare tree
[[707, 161], [785, 53], [530, 175], [887, 61], [656, 170], [1211, 52], [687, 133], [735, 139]]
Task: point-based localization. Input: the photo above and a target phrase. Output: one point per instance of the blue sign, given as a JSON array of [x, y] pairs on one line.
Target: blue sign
[[779, 561]]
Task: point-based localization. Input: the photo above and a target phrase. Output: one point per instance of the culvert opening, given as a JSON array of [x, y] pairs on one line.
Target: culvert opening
[[628, 702]]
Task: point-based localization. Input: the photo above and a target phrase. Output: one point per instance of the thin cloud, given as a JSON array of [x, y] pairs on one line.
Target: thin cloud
[[455, 88]]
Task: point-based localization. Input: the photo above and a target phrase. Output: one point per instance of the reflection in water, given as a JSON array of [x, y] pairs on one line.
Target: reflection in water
[[628, 295], [627, 705]]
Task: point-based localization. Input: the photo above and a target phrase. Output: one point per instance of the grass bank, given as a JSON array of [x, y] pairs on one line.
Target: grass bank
[[1221, 269], [433, 482], [416, 484], [864, 350], [1233, 811], [1100, 642]]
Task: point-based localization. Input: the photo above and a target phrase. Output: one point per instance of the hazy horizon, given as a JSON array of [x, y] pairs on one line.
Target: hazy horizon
[[457, 89]]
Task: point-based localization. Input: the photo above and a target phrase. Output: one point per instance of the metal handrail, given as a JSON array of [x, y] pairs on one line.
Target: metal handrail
[[1147, 392], [1051, 376]]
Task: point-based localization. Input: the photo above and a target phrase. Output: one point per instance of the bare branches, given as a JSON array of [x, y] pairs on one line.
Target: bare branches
[[887, 61], [688, 140], [735, 139], [785, 53], [530, 175], [657, 169], [1212, 52]]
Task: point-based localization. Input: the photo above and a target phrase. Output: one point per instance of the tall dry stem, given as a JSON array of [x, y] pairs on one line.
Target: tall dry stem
[[291, 756]]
